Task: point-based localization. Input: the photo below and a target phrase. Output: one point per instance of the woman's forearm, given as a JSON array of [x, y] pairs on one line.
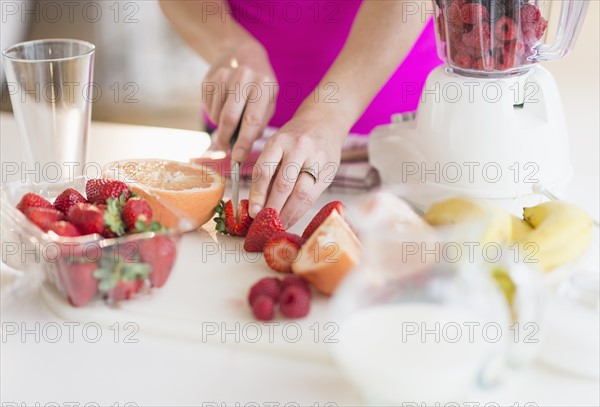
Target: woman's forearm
[[206, 26], [381, 37]]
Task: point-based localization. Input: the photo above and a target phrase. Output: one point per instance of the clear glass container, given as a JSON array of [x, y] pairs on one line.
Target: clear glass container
[[491, 38]]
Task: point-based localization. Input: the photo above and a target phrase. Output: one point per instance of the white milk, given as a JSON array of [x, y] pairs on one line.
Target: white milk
[[383, 351]]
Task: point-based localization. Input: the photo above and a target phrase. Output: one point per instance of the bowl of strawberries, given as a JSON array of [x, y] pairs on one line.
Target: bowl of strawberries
[[94, 239]]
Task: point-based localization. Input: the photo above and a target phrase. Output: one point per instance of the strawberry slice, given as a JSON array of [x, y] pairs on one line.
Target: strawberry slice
[[158, 252], [43, 217], [100, 189], [226, 222], [265, 224], [68, 198], [87, 218], [281, 250], [31, 200], [78, 282], [322, 215]]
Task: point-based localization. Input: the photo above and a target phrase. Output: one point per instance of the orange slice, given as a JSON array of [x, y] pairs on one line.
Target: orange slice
[[193, 190], [328, 254]]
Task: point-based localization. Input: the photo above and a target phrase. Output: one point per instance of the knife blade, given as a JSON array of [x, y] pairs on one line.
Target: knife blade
[[235, 169]]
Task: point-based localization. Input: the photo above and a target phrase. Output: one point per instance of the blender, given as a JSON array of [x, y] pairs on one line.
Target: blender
[[489, 123]]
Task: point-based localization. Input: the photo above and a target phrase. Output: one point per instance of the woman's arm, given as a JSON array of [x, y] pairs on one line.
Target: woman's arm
[[236, 60], [382, 35]]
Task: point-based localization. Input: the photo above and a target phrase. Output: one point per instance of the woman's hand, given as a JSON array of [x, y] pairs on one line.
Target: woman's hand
[[309, 140], [241, 76]]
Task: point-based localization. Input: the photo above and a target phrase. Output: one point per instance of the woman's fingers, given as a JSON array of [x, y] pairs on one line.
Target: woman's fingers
[[285, 179], [253, 122], [262, 173], [305, 193]]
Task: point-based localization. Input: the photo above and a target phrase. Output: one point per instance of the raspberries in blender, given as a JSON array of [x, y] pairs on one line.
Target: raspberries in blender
[[489, 35]]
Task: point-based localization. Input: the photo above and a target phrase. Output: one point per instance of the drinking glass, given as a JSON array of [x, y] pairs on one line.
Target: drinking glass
[[50, 83]]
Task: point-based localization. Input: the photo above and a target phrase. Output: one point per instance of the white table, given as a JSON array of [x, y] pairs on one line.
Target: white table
[[167, 372]]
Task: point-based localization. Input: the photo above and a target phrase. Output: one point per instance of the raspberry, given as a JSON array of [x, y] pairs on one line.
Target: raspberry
[[473, 13], [295, 281], [484, 64], [453, 15], [463, 60], [263, 308], [268, 286], [504, 59], [294, 302], [535, 30], [478, 39], [529, 14], [505, 29]]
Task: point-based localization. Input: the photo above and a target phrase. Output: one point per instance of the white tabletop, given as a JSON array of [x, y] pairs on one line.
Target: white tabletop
[[157, 370]]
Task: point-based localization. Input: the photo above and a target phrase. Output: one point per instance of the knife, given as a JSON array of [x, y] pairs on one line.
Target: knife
[[235, 169]]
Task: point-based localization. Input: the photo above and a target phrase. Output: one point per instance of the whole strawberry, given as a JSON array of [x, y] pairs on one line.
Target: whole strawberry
[[226, 221], [120, 279], [31, 200], [136, 214], [68, 198], [87, 218], [78, 282], [100, 189], [322, 215], [158, 252], [265, 224], [43, 217]]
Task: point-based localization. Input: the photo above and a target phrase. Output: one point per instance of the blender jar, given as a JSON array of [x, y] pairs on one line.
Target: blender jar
[[491, 37]]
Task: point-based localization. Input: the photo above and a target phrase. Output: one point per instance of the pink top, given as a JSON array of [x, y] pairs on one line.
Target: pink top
[[303, 38]]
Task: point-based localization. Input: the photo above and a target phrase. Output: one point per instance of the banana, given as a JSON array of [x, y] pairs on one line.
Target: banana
[[561, 232], [462, 210], [520, 228]]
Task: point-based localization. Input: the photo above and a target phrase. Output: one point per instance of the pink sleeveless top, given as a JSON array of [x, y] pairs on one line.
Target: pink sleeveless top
[[303, 38]]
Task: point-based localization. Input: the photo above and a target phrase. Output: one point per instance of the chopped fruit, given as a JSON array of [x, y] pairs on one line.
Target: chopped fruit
[[506, 29], [68, 198], [463, 60], [43, 217], [31, 200], [322, 215], [281, 250], [294, 302], [472, 13], [120, 279], [193, 189], [505, 59], [64, 228], [484, 64], [136, 212], [268, 286], [226, 222], [265, 224], [100, 189], [331, 252], [295, 281], [159, 252], [78, 282], [478, 39], [263, 308], [87, 218]]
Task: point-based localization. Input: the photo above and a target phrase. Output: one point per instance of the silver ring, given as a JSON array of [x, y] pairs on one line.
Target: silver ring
[[312, 172]]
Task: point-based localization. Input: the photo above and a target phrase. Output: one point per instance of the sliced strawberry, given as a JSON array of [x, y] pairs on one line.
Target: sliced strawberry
[[281, 250], [158, 252], [226, 222], [78, 282], [43, 217], [64, 228], [322, 215], [31, 200], [136, 210], [100, 189], [87, 218], [68, 198], [265, 224]]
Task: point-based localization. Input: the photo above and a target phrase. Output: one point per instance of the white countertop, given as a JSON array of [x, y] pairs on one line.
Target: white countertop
[[157, 370]]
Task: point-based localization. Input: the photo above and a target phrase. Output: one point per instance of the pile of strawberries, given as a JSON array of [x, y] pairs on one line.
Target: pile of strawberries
[[489, 34], [266, 234], [110, 209]]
